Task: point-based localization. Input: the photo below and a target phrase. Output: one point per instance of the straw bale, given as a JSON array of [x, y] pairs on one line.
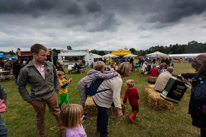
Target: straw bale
[[155, 101], [151, 79], [2, 78], [147, 90], [91, 108]]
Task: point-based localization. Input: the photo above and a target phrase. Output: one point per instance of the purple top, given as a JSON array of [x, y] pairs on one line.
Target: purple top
[[79, 132]]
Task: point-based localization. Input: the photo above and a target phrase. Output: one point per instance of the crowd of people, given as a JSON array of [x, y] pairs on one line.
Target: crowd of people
[[47, 82]]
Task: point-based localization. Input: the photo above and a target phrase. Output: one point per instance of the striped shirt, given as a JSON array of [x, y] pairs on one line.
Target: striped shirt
[[105, 98], [92, 75]]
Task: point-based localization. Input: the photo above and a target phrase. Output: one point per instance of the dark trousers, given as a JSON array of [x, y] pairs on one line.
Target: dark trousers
[[16, 76], [135, 109], [102, 120], [203, 133], [3, 128]]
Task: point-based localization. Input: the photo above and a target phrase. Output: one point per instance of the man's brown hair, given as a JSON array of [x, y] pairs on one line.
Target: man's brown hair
[[37, 47], [170, 69]]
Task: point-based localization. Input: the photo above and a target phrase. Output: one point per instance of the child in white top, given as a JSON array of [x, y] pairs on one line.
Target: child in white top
[[71, 116]]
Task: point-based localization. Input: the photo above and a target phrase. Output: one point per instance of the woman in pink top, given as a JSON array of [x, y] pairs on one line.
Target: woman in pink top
[[154, 72]]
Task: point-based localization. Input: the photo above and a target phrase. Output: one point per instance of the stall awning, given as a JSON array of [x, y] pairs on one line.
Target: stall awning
[[72, 54], [121, 52]]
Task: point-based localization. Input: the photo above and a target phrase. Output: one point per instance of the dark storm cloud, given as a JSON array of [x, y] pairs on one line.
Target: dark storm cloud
[[106, 22], [93, 6], [23, 7], [173, 11], [73, 8]]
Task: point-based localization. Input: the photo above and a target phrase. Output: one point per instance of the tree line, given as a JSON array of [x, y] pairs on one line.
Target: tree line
[[190, 47]]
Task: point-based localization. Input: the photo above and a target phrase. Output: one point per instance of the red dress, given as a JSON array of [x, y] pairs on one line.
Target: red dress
[[154, 72], [133, 96]]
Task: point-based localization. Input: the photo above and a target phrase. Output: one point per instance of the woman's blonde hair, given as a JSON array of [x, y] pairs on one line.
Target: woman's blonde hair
[[124, 68], [199, 63], [130, 83], [70, 115], [98, 65]]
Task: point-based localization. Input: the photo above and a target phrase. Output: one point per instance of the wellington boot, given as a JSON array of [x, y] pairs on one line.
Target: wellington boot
[[131, 117]]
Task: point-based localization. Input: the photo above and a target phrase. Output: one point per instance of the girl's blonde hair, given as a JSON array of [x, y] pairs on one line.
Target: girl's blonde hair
[[70, 115], [130, 83], [124, 68], [98, 65]]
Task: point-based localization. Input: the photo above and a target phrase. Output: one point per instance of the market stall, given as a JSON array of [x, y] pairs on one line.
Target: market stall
[[72, 56]]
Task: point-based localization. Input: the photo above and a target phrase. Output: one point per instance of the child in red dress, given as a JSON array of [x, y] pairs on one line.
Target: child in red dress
[[133, 96]]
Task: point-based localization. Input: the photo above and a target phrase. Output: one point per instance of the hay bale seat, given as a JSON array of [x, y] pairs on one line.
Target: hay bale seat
[[151, 79], [91, 108], [2, 78], [155, 101]]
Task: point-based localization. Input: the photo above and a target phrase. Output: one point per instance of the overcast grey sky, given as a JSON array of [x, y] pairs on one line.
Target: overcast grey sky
[[100, 24]]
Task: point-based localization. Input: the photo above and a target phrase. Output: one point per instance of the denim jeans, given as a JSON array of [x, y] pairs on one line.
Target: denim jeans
[[3, 128], [102, 120]]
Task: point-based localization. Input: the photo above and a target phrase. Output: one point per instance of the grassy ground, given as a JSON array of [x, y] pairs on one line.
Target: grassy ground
[[20, 116]]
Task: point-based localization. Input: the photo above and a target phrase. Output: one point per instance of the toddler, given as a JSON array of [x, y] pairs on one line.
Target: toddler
[[63, 94], [71, 116], [92, 75], [133, 96]]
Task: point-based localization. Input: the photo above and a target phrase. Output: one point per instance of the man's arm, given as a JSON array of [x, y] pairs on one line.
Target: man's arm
[[56, 81], [23, 80]]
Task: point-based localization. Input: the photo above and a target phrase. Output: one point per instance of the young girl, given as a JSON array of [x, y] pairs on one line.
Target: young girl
[[71, 116], [133, 96]]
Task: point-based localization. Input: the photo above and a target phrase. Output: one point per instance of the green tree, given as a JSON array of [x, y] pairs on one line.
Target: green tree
[[132, 50], [69, 48]]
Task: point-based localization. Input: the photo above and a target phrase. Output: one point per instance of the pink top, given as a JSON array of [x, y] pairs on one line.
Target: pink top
[[41, 70]]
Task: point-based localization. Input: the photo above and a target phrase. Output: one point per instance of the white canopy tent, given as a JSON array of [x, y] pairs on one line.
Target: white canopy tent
[[95, 56], [130, 55], [184, 55], [110, 56], [157, 54]]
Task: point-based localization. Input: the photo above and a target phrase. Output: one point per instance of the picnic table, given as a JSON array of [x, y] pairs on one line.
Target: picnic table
[[78, 70], [5, 72]]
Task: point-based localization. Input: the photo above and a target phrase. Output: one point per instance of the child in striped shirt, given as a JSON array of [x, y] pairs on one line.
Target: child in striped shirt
[[92, 75]]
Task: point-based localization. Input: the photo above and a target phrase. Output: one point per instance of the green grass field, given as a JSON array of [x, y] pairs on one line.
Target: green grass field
[[20, 116]]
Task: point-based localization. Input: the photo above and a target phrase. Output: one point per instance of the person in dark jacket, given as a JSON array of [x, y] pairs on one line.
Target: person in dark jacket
[[16, 69], [198, 118], [1, 63], [59, 67]]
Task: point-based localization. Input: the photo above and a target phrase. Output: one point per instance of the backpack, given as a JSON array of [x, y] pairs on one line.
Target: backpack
[[200, 97], [200, 92], [92, 90]]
